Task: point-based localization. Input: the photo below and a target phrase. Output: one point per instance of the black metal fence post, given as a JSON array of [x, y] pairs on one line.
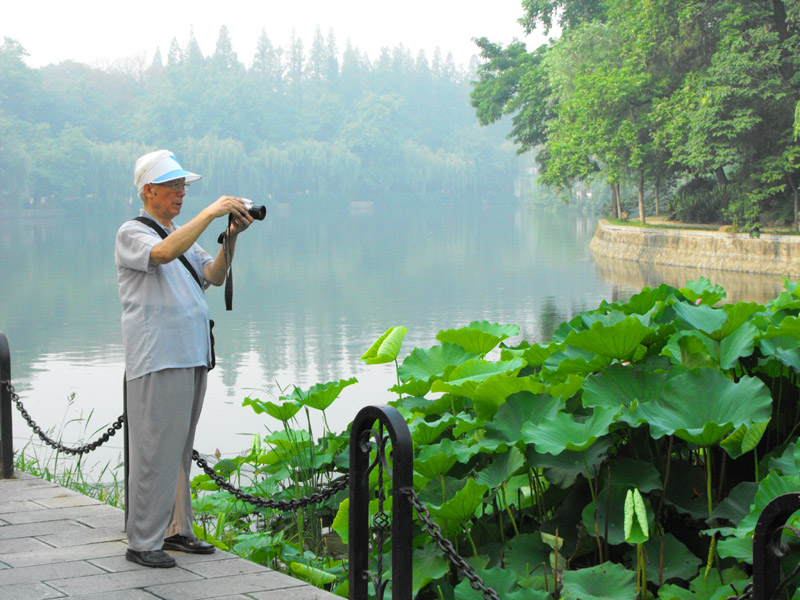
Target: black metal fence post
[[767, 552], [6, 432], [402, 468]]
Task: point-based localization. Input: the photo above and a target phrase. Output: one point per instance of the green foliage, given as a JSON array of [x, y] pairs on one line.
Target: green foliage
[[628, 458], [641, 93], [298, 121]]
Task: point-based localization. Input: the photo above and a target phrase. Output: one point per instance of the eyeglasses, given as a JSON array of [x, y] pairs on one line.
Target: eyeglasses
[[174, 185]]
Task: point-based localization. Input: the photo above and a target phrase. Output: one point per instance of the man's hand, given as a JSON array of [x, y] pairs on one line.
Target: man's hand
[[230, 205]]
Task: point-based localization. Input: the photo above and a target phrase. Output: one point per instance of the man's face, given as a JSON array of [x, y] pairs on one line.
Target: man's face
[[164, 200]]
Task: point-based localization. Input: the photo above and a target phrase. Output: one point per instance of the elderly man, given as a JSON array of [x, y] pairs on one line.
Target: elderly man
[[162, 273]]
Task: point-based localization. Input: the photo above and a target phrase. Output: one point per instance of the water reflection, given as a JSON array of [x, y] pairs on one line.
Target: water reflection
[[628, 275], [316, 284]]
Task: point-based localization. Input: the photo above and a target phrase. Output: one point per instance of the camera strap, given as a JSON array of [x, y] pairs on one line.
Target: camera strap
[[160, 231], [224, 239]]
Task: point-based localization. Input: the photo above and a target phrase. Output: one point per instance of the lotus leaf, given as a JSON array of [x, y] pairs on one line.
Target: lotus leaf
[[692, 349], [784, 301], [435, 362], [492, 393], [702, 406], [506, 427], [744, 439], [289, 440], [788, 463], [465, 379], [435, 406], [782, 342], [424, 433], [563, 330], [679, 562], [738, 314], [713, 585], [736, 504], [412, 387], [569, 360], [436, 491], [566, 389], [281, 412], [628, 472], [436, 460], [789, 299], [610, 514], [607, 581], [386, 348], [341, 522], [739, 549], [321, 395], [616, 340], [646, 299], [622, 387], [772, 486], [429, 564], [534, 355], [564, 469], [637, 529], [563, 432], [502, 467], [704, 318], [737, 344], [519, 492], [462, 506], [316, 577], [785, 350], [461, 450], [479, 337], [703, 290], [501, 581], [465, 424], [527, 557]]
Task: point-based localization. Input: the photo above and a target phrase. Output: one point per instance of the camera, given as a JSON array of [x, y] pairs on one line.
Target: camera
[[257, 211]]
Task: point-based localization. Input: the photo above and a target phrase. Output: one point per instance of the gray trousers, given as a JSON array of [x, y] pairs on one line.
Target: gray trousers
[[162, 411]]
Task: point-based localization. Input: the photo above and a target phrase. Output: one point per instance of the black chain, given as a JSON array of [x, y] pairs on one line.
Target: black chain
[[295, 504], [747, 593], [447, 547], [86, 448]]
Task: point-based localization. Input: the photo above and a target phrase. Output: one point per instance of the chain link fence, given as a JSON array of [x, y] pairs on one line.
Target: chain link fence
[[81, 450]]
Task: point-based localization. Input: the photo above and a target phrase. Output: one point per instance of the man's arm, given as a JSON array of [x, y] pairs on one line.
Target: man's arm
[[214, 272], [179, 241]]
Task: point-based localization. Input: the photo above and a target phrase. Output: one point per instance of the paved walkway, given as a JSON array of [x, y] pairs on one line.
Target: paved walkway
[[56, 543]]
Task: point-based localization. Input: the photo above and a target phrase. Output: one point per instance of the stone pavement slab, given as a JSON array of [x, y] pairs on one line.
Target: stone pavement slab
[[56, 543]]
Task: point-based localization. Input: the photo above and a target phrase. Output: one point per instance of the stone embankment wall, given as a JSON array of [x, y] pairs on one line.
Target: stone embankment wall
[[770, 253]]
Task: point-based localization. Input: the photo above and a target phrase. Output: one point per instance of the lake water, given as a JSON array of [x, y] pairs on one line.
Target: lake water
[[315, 285]]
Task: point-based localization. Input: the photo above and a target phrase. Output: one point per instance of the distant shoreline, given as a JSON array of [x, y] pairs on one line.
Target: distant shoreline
[[692, 247]]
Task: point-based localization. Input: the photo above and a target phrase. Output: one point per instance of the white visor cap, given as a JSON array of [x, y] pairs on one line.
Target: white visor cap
[[159, 167]]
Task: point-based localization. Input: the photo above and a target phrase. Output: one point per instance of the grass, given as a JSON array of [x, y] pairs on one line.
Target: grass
[[660, 225], [68, 470], [637, 223], [73, 477]]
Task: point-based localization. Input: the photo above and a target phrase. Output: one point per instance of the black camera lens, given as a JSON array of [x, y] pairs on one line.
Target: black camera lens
[[257, 211]]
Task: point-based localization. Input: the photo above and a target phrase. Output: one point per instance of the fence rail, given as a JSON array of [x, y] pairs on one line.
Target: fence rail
[[380, 441]]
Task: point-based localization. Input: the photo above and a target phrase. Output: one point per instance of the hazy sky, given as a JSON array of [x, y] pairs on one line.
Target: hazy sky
[[101, 31]]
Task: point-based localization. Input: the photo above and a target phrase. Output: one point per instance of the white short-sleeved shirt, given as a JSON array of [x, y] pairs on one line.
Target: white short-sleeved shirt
[[164, 312]]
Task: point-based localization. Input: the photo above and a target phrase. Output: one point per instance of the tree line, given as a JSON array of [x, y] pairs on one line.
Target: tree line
[[689, 105], [294, 121]]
